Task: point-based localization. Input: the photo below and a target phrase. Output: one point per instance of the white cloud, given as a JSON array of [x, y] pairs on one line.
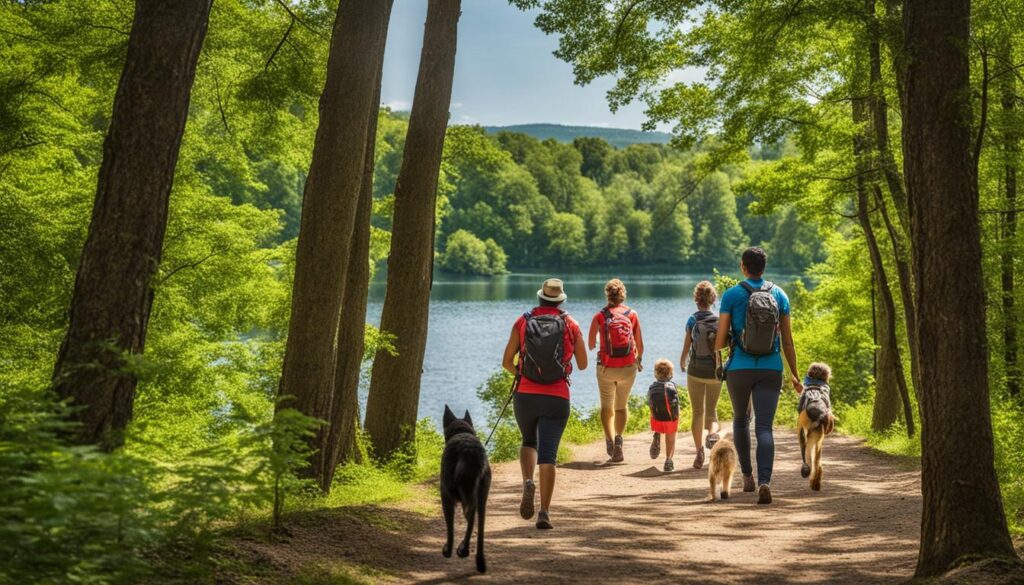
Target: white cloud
[[457, 106], [398, 105]]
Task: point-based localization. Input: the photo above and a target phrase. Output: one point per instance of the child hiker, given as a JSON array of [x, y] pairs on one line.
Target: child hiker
[[663, 399]]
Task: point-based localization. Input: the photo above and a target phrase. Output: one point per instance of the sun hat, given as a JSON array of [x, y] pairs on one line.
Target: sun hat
[[552, 291]]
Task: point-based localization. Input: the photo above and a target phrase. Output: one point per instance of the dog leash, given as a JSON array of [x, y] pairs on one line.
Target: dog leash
[[515, 386]]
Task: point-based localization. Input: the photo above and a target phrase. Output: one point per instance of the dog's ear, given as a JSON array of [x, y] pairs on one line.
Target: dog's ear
[[467, 418], [449, 416]]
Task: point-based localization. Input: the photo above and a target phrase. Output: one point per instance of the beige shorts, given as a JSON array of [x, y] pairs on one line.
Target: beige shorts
[[615, 384]]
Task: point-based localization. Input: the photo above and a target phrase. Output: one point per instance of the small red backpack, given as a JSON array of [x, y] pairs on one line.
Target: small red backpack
[[618, 333]]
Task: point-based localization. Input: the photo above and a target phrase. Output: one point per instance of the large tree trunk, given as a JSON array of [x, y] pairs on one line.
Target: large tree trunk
[[344, 419], [395, 382], [113, 292], [329, 208], [962, 509], [1011, 155], [889, 344]]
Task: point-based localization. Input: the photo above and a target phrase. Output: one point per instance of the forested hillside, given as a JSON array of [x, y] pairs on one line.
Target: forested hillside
[[617, 137]]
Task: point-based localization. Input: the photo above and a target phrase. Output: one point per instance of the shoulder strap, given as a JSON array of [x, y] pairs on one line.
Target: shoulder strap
[[747, 287], [767, 285]]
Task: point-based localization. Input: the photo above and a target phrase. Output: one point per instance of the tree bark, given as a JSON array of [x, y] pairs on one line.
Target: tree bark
[[1011, 154], [344, 419], [395, 382], [886, 409], [962, 508], [889, 344], [113, 292], [329, 208]]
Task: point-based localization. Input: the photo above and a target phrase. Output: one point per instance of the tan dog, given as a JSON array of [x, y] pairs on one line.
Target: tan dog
[[722, 467], [814, 422]]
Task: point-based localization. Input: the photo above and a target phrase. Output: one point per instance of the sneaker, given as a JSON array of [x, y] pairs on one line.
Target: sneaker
[[609, 446], [698, 461], [748, 483], [764, 494], [526, 506], [656, 446], [669, 466], [617, 456], [544, 521], [710, 441]]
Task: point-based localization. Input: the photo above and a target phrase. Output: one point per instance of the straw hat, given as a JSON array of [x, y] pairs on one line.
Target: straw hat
[[552, 291]]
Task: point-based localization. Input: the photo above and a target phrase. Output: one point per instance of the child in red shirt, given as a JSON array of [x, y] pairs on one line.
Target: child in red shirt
[[663, 399]]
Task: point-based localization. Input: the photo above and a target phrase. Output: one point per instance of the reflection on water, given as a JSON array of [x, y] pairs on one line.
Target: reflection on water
[[470, 320]]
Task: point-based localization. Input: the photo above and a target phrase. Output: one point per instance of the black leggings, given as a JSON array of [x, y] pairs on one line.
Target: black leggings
[[541, 419]]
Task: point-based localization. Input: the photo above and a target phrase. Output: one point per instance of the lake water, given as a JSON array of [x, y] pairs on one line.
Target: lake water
[[470, 320]]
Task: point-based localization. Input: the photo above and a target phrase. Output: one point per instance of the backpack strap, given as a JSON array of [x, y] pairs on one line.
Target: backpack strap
[[747, 287]]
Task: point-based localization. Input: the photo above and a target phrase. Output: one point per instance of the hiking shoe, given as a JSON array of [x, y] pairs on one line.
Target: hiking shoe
[[617, 456], [764, 494], [544, 521], [748, 483], [698, 461], [656, 446], [609, 445], [669, 466], [711, 440], [526, 506]]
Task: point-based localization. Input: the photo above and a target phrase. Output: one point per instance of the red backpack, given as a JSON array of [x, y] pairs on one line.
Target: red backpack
[[618, 333]]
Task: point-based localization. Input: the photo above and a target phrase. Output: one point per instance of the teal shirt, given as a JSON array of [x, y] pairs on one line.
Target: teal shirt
[[734, 302]]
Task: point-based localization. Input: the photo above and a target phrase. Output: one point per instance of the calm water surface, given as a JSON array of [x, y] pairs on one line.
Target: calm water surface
[[470, 320]]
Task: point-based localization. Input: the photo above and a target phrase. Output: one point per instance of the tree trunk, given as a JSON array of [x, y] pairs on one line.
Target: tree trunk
[[893, 181], [395, 382], [887, 395], [962, 508], [329, 208], [1011, 154], [889, 344], [344, 419], [113, 293]]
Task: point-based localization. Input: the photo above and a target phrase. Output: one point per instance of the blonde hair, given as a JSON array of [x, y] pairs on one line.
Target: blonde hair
[[819, 371], [615, 292], [663, 370], [704, 294]]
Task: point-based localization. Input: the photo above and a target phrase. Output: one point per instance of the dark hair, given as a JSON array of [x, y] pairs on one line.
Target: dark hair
[[754, 259], [546, 303]]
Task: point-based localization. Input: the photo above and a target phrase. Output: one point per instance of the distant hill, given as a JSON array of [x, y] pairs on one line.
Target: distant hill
[[617, 137]]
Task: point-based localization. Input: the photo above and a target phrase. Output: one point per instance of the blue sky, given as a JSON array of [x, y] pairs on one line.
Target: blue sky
[[504, 73]]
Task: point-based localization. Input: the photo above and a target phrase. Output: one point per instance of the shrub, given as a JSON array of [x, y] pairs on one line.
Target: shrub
[[467, 254]]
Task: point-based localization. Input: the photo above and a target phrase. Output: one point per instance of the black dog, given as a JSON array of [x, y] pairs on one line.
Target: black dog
[[465, 479]]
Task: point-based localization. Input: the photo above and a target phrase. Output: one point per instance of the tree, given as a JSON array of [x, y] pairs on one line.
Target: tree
[[329, 209], [962, 514], [467, 254], [596, 164], [344, 419], [113, 293], [395, 381]]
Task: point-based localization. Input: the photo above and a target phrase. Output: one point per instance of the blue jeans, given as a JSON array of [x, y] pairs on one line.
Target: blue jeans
[[764, 387]]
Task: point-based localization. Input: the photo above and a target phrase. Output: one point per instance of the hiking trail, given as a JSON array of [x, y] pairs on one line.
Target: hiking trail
[[630, 523]]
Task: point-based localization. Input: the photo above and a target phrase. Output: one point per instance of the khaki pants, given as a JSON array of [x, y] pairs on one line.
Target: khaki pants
[[614, 385], [704, 395]]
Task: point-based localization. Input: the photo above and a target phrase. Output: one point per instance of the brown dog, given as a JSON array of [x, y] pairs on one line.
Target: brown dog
[[814, 421], [722, 467]]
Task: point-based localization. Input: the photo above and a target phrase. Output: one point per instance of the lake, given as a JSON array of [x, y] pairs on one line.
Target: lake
[[470, 320]]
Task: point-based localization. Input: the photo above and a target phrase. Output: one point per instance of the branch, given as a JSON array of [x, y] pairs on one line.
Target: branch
[[188, 265], [294, 16], [280, 43]]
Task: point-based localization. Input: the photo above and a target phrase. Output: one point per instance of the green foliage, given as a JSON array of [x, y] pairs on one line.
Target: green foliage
[[616, 137], [465, 253]]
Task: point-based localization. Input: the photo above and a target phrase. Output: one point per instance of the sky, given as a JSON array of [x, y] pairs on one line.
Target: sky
[[504, 71]]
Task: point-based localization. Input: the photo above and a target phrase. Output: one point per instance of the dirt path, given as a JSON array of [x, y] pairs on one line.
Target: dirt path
[[630, 523]]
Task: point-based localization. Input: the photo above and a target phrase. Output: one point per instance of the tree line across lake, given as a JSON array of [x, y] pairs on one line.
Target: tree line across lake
[[184, 258]]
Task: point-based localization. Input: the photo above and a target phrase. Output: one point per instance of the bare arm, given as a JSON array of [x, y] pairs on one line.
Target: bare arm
[[686, 352], [511, 349], [592, 335], [724, 324], [789, 350], [580, 352], [638, 337]]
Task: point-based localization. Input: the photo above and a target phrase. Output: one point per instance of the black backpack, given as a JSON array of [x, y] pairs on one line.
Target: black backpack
[[702, 345], [542, 355], [762, 321], [663, 398]]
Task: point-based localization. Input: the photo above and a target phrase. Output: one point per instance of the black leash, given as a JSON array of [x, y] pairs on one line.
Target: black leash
[[515, 386]]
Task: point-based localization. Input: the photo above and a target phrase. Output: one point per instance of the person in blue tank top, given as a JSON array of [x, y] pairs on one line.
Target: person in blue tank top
[[756, 377]]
